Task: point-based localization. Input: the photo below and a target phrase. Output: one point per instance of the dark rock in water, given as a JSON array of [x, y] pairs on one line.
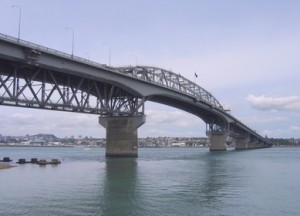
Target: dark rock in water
[[55, 161], [34, 160], [22, 161], [42, 162], [6, 159]]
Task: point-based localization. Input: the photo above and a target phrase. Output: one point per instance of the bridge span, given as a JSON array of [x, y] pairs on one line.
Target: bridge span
[[35, 76]]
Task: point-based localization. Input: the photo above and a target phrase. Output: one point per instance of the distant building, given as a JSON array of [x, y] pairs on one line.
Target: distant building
[[25, 142], [178, 144]]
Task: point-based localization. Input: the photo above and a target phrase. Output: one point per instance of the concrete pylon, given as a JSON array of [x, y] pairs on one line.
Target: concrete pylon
[[218, 141], [121, 135], [241, 143], [254, 145]]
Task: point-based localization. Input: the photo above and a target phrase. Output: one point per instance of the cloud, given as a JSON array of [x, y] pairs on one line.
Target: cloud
[[170, 117], [278, 133], [274, 103], [159, 122], [57, 123], [282, 133], [171, 122], [263, 119], [295, 128]]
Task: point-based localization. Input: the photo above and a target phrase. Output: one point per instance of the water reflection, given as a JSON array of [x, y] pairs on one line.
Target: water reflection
[[214, 179], [203, 185], [216, 183], [120, 193], [159, 182]]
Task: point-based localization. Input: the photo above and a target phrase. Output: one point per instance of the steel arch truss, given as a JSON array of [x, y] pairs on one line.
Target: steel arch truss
[[176, 82], [45, 89], [173, 81]]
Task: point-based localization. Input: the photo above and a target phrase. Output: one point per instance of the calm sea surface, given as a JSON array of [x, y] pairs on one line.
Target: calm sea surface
[[167, 181]]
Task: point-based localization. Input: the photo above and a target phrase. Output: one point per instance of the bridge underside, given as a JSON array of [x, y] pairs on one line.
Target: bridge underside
[[34, 87]]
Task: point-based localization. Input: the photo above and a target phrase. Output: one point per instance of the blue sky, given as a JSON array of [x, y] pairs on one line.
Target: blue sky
[[246, 53]]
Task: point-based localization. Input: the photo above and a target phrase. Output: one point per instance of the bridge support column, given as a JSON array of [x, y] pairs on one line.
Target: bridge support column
[[121, 135], [218, 141], [241, 143], [254, 145]]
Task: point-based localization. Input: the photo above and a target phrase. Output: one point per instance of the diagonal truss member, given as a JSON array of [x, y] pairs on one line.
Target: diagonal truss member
[[46, 89]]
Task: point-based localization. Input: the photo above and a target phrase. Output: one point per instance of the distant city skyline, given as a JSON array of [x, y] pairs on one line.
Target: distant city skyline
[[244, 52]]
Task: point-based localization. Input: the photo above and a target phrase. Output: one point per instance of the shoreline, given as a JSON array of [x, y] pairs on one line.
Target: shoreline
[[34, 146], [76, 146], [5, 166]]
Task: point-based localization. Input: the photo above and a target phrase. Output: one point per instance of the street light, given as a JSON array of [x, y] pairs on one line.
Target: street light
[[109, 53], [67, 28], [20, 14], [136, 60]]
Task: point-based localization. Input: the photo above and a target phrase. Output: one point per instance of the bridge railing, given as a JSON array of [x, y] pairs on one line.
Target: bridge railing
[[49, 50]]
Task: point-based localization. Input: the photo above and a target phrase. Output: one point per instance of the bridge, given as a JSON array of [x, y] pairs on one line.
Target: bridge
[[35, 76]]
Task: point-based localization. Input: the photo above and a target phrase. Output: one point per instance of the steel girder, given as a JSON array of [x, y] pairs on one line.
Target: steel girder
[[171, 80], [217, 127], [34, 87]]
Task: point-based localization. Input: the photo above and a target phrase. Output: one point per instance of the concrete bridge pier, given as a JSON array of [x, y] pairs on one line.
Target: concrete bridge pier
[[218, 141], [254, 145], [121, 135], [241, 143]]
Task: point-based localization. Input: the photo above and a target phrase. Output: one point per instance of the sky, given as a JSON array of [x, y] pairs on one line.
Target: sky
[[246, 53]]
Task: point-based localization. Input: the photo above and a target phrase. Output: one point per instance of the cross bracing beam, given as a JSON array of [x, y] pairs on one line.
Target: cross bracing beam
[[35, 87], [171, 80]]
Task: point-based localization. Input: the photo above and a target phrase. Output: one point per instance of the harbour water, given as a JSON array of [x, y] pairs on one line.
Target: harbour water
[[161, 181]]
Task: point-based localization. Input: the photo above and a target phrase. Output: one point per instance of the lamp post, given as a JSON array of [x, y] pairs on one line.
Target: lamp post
[[136, 60], [20, 14], [109, 53], [67, 28]]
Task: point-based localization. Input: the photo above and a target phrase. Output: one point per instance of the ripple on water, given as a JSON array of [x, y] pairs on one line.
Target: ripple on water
[[159, 182]]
